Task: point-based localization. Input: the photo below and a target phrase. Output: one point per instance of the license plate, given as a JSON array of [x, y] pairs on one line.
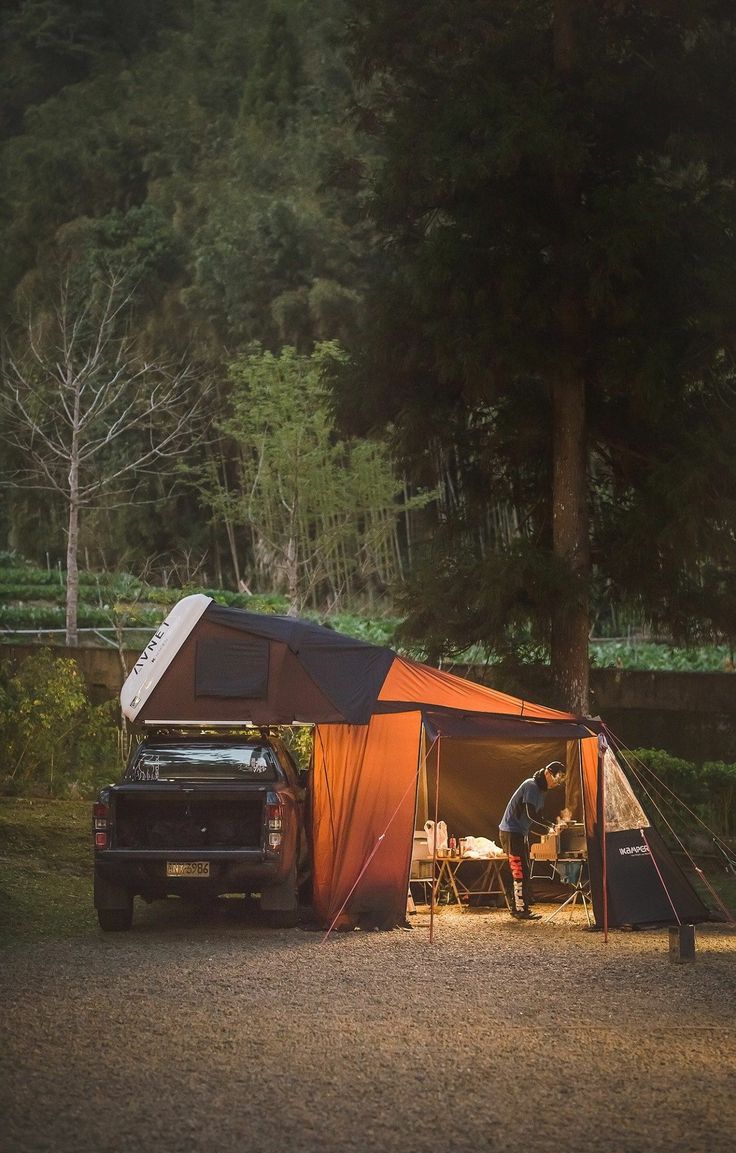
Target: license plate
[[187, 868]]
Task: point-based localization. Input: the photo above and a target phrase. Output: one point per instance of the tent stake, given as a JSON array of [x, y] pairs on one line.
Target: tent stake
[[682, 943]]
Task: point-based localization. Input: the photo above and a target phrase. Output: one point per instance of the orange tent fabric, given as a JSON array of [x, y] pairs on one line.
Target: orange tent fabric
[[384, 726], [365, 780], [407, 681]]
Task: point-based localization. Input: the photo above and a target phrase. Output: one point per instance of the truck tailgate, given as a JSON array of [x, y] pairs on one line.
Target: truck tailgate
[[192, 819]]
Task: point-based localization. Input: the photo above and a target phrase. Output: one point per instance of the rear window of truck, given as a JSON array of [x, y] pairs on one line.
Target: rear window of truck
[[203, 762]]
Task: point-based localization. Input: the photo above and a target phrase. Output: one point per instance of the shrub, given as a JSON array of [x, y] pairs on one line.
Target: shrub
[[719, 780], [54, 742], [708, 790]]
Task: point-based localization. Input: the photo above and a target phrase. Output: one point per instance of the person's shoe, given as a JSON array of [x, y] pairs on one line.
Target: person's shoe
[[526, 915]]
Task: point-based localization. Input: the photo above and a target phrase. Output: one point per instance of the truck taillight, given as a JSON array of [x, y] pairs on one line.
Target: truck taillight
[[274, 820], [100, 821], [101, 814], [274, 815]]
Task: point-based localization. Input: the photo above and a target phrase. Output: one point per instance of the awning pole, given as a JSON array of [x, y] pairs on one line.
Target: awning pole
[[602, 788], [434, 841]]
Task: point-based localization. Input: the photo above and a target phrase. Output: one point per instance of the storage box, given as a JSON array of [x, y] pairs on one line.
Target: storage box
[[421, 870], [572, 839], [420, 852], [546, 849]]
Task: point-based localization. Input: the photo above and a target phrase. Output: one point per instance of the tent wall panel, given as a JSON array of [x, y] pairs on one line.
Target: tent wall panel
[[363, 802], [478, 777], [634, 878]]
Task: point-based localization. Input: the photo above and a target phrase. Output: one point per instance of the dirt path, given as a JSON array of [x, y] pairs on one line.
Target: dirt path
[[219, 1036]]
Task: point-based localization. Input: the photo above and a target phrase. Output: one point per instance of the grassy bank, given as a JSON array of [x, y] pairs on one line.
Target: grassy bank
[[45, 869]]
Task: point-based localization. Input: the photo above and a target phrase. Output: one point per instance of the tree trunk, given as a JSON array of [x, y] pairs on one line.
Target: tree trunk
[[72, 542], [292, 578], [570, 521], [72, 575], [570, 536]]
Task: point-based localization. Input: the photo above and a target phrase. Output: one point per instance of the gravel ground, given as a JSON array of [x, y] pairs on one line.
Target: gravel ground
[[211, 1033]]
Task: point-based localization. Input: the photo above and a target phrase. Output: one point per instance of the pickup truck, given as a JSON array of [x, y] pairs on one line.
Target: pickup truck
[[199, 816]]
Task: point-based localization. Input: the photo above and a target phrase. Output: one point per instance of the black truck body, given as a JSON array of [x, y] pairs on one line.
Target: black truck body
[[198, 816]]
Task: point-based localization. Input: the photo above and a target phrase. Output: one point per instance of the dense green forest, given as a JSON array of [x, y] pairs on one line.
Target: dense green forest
[[198, 157], [424, 311]]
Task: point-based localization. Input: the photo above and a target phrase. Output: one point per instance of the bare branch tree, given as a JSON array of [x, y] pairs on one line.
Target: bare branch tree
[[85, 416]]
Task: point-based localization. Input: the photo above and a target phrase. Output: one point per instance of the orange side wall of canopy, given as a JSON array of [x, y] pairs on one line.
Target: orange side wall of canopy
[[390, 735], [364, 786]]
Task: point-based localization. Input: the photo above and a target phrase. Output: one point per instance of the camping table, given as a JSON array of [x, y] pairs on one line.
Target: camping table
[[573, 871], [488, 882]]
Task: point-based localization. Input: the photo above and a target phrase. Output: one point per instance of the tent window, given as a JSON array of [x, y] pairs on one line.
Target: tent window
[[237, 668], [623, 810]]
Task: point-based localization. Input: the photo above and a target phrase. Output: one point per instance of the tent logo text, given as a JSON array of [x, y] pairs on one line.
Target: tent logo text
[[151, 647], [633, 850]]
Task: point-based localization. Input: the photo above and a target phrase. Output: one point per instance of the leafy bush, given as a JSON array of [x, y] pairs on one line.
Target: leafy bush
[[375, 632], [299, 742], [54, 742], [630, 654], [708, 790], [22, 591], [719, 780]]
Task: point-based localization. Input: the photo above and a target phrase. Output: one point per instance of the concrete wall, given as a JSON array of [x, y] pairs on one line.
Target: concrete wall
[[691, 715]]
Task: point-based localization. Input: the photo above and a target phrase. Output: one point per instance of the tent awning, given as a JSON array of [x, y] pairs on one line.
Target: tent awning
[[466, 726]]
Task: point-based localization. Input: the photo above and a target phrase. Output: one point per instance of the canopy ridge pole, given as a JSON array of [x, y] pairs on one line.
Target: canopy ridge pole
[[661, 878], [583, 806], [412, 785]]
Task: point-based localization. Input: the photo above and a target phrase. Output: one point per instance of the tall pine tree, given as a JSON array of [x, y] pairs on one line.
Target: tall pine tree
[[550, 325]]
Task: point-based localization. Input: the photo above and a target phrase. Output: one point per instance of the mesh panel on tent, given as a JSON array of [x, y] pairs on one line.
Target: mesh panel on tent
[[622, 809]]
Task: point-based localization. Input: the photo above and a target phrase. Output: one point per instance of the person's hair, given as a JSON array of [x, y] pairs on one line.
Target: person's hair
[[556, 768]]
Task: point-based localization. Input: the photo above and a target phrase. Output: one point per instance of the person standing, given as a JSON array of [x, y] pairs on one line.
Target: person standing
[[521, 817]]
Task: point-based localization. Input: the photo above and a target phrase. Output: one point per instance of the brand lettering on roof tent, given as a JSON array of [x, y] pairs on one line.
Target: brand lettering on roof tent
[[155, 643], [633, 850]]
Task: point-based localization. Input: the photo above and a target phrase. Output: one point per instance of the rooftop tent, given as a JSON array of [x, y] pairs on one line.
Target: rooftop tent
[[208, 664], [384, 728]]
